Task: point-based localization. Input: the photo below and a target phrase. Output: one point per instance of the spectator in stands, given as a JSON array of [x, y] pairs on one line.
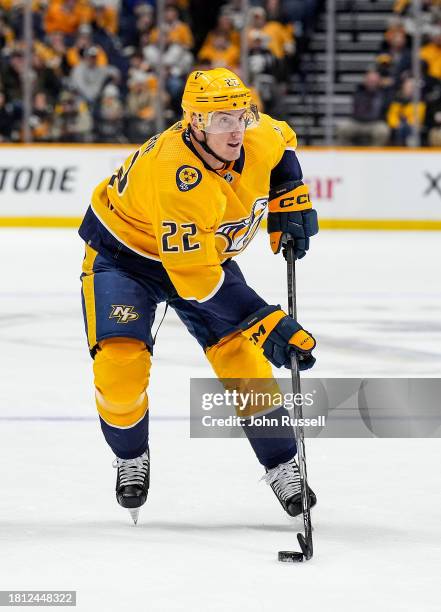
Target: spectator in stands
[[301, 12], [402, 115], [273, 10], [6, 119], [11, 77], [127, 18], [176, 31], [137, 62], [105, 17], [280, 38], [404, 7], [88, 44], [83, 42], [177, 62], [67, 15], [396, 58], [203, 17], [109, 118], [72, 119], [262, 65], [396, 25], [224, 26], [15, 12], [430, 13], [367, 126], [433, 118], [234, 10], [275, 14], [431, 55], [183, 5], [6, 33], [145, 32], [220, 52], [141, 106], [41, 118], [54, 52], [88, 78], [45, 78]]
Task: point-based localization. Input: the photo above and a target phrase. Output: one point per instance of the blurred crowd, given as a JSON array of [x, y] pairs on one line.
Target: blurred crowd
[[384, 111], [94, 66]]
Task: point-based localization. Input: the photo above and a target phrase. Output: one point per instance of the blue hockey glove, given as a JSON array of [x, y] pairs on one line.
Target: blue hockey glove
[[278, 335], [291, 212]]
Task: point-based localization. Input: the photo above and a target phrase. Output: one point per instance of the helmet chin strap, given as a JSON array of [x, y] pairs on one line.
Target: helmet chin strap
[[207, 148]]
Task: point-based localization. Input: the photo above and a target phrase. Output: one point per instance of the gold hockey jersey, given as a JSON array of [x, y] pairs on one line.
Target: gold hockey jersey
[[166, 204]]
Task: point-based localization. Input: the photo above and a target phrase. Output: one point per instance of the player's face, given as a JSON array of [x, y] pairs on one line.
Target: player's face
[[225, 134]]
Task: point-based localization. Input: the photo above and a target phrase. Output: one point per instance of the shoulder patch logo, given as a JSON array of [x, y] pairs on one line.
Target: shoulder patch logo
[[187, 177]]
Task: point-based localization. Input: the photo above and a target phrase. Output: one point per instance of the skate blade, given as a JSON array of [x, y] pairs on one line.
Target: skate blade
[[134, 513]]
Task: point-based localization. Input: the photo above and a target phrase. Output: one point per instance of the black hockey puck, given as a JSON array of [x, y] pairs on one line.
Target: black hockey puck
[[290, 556]]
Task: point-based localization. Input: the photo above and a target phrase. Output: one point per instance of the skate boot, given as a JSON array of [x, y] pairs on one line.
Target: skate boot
[[284, 480], [132, 483]]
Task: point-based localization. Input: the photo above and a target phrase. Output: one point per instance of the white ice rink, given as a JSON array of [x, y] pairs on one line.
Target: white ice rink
[[208, 536]]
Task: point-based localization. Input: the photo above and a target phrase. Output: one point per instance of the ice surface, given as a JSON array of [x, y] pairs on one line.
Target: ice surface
[[208, 537]]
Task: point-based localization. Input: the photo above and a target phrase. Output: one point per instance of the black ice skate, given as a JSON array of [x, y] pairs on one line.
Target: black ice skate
[[285, 482], [132, 483]]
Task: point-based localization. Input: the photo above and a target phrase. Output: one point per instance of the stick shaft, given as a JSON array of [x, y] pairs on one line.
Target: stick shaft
[[298, 406]]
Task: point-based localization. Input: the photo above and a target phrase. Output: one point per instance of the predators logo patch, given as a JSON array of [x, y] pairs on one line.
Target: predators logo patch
[[187, 177], [123, 313]]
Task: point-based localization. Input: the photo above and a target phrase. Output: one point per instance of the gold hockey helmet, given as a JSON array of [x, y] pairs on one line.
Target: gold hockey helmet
[[209, 91]]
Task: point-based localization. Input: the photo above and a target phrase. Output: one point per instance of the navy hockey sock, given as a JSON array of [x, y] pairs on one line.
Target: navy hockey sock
[[272, 441], [128, 442]]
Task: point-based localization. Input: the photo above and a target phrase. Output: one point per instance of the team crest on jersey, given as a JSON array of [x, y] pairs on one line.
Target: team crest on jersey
[[238, 234], [123, 313], [187, 177]]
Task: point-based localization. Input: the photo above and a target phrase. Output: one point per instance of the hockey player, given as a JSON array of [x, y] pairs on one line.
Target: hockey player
[[165, 228]]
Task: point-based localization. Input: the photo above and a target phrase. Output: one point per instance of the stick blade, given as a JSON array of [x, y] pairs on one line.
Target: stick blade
[[305, 545]]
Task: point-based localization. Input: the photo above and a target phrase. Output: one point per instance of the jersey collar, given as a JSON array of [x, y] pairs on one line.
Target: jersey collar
[[236, 166]]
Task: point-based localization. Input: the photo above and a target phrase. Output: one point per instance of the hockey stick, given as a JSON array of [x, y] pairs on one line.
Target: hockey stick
[[305, 540]]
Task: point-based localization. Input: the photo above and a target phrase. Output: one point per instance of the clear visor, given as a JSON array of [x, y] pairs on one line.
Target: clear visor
[[221, 122]]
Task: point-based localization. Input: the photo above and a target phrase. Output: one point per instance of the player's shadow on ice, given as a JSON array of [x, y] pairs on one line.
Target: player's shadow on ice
[[181, 527], [97, 530], [362, 533], [341, 530]]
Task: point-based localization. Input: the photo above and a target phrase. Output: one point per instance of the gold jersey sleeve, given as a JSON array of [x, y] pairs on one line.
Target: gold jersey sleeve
[[124, 202], [287, 138]]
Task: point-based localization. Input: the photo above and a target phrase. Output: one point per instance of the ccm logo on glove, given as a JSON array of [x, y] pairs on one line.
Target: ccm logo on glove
[[278, 335], [298, 199], [291, 214]]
